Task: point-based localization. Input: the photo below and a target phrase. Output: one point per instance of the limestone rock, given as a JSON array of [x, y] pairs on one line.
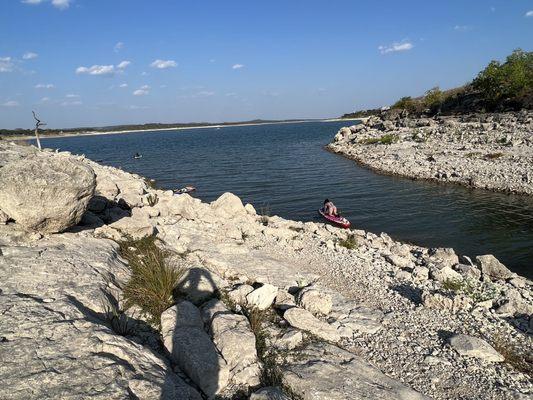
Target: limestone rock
[[138, 226], [323, 371], [235, 340], [46, 193], [314, 300], [304, 320], [269, 393], [474, 347], [3, 217], [192, 349], [284, 300], [445, 274], [238, 295], [492, 268], [183, 314], [263, 297], [445, 256], [250, 209], [228, 206]]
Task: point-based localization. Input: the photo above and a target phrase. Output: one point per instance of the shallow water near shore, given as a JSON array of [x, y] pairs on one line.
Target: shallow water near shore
[[283, 169]]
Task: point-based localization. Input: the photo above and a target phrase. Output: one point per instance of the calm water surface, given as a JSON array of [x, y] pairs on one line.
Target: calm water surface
[[284, 168]]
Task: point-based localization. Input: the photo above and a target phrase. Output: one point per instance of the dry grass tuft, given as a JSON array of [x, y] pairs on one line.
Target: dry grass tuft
[[153, 280]]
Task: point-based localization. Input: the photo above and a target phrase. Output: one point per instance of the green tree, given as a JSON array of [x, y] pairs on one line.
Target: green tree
[[433, 99]]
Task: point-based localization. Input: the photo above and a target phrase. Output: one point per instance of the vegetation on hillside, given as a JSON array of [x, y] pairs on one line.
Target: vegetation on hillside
[[506, 86]]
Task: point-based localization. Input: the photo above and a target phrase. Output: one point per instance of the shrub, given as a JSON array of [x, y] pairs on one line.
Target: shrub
[[152, 199], [350, 242], [433, 99], [477, 291], [385, 139], [493, 156], [116, 316], [152, 281], [516, 357]]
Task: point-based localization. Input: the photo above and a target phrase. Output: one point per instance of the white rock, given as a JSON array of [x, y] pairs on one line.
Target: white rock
[[474, 347], [263, 297], [492, 268], [228, 206], [238, 295], [315, 300], [304, 320]]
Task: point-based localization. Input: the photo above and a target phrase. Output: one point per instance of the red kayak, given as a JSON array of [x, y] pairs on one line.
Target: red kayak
[[341, 221]]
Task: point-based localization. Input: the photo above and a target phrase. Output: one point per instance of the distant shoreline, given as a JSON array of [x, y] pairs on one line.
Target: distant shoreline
[[99, 133]]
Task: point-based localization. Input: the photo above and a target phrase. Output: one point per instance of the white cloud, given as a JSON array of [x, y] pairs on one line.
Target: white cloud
[[123, 64], [30, 55], [395, 47], [237, 66], [124, 85], [205, 93], [45, 99], [11, 103], [119, 46], [72, 96], [61, 4], [231, 94], [44, 86], [6, 64], [71, 103], [32, 1], [162, 64], [144, 73], [140, 92], [145, 87], [96, 70], [462, 28], [529, 14]]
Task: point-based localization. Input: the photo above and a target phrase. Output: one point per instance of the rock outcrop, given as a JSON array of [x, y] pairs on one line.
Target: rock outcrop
[[488, 151], [46, 192]]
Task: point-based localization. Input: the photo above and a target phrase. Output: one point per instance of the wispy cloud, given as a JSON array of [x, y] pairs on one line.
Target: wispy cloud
[[30, 56], [163, 64], [45, 99], [462, 28], [123, 64], [11, 103], [396, 47], [6, 64], [529, 14], [44, 86], [123, 85], [237, 66], [119, 46], [61, 4], [71, 103], [96, 70], [72, 96], [204, 93], [142, 91]]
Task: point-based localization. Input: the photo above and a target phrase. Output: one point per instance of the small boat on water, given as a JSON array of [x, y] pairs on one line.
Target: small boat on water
[[340, 221], [186, 189], [137, 156]]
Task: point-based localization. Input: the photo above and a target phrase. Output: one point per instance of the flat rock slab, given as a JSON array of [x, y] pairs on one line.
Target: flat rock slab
[[474, 347], [55, 340], [323, 371], [304, 320]]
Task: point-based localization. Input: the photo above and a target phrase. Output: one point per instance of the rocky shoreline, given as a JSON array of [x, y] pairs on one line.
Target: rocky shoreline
[[488, 151], [265, 308]]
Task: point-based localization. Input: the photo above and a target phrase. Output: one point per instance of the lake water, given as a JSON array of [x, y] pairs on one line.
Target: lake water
[[284, 170]]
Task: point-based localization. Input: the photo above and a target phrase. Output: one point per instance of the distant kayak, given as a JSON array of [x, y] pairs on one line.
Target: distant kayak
[[340, 221], [137, 156], [186, 189]]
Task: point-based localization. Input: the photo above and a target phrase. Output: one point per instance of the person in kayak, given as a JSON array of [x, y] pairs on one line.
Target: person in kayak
[[330, 209]]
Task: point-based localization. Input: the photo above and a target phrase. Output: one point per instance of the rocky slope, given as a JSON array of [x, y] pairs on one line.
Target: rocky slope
[[318, 312], [492, 151]]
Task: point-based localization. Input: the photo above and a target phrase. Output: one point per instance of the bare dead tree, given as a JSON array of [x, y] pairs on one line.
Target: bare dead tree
[[38, 124]]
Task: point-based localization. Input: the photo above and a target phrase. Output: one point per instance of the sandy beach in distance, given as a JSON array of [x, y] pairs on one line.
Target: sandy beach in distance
[[28, 137]]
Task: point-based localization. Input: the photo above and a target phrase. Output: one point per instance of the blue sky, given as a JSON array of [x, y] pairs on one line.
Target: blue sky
[[103, 62]]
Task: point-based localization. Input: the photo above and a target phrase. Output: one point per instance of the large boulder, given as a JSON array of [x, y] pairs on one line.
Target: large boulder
[[263, 297], [47, 193], [492, 268], [228, 206]]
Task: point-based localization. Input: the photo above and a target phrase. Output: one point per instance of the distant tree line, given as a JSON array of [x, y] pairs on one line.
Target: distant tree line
[[133, 127], [499, 87]]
